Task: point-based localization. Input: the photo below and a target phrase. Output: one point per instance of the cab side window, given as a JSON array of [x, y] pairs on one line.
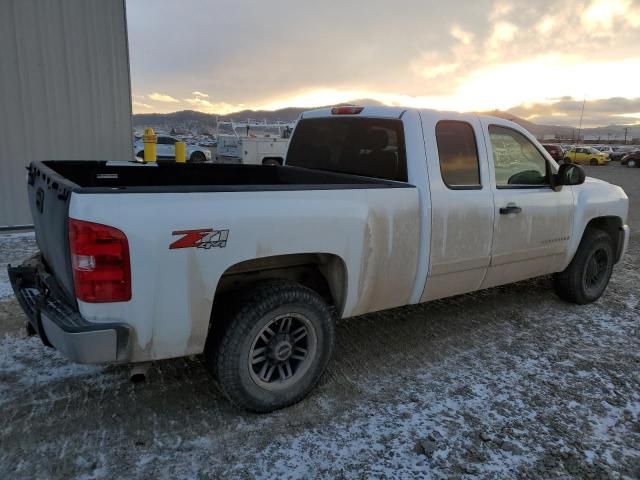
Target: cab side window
[[458, 154], [517, 162]]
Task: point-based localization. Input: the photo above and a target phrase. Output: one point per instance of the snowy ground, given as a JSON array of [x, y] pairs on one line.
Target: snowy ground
[[508, 382]]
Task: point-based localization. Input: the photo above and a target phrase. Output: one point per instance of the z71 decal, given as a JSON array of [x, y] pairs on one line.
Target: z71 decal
[[200, 238]]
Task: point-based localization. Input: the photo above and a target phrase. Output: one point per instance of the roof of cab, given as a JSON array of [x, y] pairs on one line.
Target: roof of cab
[[396, 112], [374, 111]]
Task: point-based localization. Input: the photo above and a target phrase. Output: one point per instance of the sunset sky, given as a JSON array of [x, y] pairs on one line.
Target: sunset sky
[[535, 58]]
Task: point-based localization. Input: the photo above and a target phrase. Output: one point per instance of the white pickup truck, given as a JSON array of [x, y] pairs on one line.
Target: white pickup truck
[[375, 208]]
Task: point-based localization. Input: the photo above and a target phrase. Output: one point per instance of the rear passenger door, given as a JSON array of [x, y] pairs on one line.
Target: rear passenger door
[[532, 221], [462, 205]]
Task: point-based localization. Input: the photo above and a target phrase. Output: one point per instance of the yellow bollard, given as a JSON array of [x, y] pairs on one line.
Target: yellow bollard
[[181, 152], [149, 138]]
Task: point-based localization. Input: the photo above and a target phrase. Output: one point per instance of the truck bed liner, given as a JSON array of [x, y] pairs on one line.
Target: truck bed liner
[[114, 177]]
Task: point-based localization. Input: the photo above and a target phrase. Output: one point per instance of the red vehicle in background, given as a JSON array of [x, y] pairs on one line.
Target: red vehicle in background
[[556, 151]]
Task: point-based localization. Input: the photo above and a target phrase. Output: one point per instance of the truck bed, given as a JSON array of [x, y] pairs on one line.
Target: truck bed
[[52, 183], [129, 177]]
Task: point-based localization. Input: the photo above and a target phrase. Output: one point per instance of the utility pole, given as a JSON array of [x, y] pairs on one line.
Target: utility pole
[[625, 135], [581, 115]]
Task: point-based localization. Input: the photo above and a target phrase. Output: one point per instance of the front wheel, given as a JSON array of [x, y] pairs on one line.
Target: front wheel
[[593, 162], [272, 161], [588, 274], [274, 346], [632, 164], [197, 157]]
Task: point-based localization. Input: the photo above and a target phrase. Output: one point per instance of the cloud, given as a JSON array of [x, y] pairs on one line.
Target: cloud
[[200, 94], [141, 104], [604, 13], [502, 32], [567, 111], [222, 108], [462, 35], [161, 97]]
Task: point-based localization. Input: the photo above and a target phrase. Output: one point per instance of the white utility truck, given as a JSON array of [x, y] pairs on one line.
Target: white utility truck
[[375, 208], [264, 150]]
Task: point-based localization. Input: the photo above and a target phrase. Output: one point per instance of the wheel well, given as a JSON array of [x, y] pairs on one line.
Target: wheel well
[[324, 273], [611, 225]]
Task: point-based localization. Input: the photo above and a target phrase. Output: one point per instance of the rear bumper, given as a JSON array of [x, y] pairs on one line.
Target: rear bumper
[[60, 325]]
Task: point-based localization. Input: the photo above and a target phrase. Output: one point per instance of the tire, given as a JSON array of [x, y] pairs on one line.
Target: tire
[[272, 161], [197, 157], [632, 163], [281, 308], [140, 154], [593, 162], [595, 251]]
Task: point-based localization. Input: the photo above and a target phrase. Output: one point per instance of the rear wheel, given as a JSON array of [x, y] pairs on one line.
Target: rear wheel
[[274, 347], [588, 274], [593, 162], [632, 164], [272, 161], [197, 157], [140, 154]]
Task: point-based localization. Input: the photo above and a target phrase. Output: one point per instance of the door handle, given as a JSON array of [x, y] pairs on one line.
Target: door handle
[[510, 208]]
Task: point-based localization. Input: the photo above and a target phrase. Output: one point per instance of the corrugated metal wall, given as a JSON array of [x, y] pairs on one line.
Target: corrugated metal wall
[[65, 90]]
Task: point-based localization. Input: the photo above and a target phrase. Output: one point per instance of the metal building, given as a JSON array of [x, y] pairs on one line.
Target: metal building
[[65, 90]]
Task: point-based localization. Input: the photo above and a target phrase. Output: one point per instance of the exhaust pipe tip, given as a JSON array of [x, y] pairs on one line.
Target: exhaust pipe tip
[[138, 372]]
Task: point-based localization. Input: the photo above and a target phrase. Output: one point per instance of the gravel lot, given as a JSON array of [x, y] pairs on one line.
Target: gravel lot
[[508, 382]]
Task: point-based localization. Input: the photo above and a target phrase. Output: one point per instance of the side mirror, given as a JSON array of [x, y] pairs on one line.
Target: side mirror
[[569, 174]]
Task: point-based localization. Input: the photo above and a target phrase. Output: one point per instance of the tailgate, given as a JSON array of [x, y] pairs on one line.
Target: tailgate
[[49, 196]]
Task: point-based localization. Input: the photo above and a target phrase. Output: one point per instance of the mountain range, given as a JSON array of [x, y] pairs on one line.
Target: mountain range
[[206, 122]]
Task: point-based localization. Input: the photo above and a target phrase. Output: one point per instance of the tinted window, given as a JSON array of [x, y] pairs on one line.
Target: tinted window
[[372, 147], [517, 161], [166, 140], [458, 154]]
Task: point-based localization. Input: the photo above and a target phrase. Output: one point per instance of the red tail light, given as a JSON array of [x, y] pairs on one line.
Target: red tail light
[[100, 262], [346, 110]]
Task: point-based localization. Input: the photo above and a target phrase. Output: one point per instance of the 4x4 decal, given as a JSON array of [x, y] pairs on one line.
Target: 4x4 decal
[[200, 238]]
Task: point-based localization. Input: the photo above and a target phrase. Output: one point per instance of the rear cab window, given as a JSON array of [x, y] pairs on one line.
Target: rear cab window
[[370, 147]]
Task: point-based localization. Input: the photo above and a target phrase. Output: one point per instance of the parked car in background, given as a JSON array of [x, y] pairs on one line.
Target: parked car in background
[[604, 149], [631, 159], [166, 149], [618, 153], [556, 151], [586, 155]]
